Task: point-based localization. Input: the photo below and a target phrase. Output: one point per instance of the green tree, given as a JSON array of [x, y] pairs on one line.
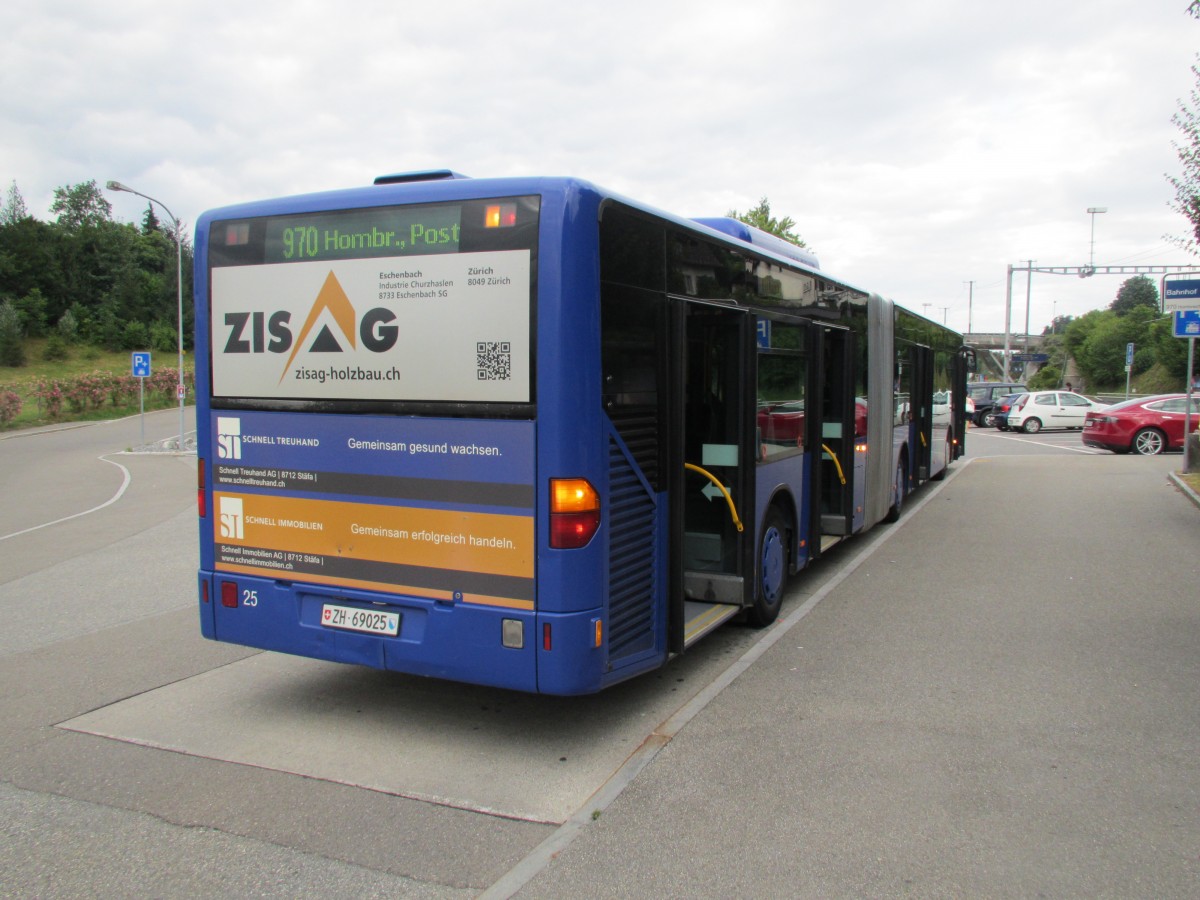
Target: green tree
[[1098, 341], [14, 209], [1187, 184], [760, 217], [150, 221], [1135, 292], [30, 260], [12, 340], [1169, 351], [81, 205], [67, 327], [32, 310]]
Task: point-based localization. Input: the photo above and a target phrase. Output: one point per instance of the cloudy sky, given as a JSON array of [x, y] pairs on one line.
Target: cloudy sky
[[919, 144]]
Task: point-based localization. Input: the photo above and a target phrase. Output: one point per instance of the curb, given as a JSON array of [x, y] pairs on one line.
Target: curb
[[1184, 488]]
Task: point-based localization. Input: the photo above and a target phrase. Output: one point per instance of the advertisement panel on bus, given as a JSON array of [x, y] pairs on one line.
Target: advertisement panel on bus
[[438, 509]]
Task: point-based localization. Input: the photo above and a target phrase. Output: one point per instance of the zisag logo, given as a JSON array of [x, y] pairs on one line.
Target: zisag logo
[[229, 437], [259, 332]]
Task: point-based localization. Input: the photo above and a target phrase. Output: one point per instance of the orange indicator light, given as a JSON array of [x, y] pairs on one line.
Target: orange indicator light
[[500, 215], [574, 513]]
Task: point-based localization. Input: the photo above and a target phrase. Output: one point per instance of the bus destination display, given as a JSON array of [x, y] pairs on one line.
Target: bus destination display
[[388, 231]]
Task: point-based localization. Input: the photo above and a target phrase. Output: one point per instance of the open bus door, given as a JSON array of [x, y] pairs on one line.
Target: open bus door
[[832, 434], [922, 413], [712, 507]]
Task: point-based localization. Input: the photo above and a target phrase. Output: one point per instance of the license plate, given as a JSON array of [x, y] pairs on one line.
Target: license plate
[[351, 618]]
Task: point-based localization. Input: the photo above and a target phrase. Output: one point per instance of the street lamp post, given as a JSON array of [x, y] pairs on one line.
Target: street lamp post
[[178, 232]]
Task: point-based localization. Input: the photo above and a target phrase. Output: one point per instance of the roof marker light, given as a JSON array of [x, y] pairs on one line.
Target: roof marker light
[[500, 215]]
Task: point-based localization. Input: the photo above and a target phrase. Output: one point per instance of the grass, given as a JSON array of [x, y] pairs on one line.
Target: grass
[[81, 361]]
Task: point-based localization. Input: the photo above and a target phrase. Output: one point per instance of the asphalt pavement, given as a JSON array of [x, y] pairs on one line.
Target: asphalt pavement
[[995, 697]]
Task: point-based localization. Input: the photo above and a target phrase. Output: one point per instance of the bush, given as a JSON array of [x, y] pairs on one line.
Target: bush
[[56, 348], [68, 327], [87, 392], [10, 407], [135, 336], [163, 337], [1047, 378], [49, 396]]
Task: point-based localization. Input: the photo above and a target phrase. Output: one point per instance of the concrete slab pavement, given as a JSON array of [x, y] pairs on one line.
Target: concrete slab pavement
[[1015, 714]]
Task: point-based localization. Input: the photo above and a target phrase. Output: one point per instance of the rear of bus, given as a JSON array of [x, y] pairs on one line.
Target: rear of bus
[[373, 486]]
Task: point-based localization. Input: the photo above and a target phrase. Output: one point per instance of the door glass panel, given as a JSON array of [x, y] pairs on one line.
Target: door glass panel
[[837, 448], [713, 435], [780, 415]]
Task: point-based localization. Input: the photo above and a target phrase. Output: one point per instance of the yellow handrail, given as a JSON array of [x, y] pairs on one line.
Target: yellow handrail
[[728, 499], [833, 456]]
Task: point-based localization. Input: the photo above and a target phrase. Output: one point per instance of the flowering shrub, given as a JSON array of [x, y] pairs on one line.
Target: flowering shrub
[[49, 396], [10, 407], [165, 383], [122, 389], [84, 394]]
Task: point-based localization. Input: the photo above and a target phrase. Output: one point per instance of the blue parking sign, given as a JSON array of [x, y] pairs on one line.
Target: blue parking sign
[[1187, 323], [141, 365]]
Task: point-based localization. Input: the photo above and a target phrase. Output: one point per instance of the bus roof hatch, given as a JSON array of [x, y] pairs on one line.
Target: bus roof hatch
[[406, 177]]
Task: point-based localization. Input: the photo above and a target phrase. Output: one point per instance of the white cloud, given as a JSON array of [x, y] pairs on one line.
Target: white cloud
[[919, 145]]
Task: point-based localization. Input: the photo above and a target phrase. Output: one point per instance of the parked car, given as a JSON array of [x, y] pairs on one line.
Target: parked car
[[986, 393], [1147, 425], [1001, 409], [1050, 409]]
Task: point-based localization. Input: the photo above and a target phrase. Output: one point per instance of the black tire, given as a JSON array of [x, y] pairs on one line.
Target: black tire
[[989, 419], [1032, 425], [1149, 442], [899, 489], [770, 579]]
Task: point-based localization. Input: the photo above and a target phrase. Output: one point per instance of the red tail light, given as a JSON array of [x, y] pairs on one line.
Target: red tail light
[[574, 513]]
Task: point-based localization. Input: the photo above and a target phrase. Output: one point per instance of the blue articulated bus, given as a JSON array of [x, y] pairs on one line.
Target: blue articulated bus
[[527, 433]]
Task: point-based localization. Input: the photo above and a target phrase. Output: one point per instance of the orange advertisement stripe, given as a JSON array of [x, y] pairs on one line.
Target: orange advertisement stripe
[[453, 540], [423, 593]]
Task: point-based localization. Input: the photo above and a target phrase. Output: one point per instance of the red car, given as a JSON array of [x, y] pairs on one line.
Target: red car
[[1148, 425]]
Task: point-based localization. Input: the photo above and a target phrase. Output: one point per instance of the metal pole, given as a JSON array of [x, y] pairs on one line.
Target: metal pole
[[1007, 321], [1028, 292], [1187, 415], [177, 227], [179, 283]]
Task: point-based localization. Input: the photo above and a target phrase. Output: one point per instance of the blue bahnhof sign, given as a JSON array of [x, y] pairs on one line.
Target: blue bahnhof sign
[[1181, 295]]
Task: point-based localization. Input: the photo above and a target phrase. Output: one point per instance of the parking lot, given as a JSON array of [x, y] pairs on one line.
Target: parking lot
[[996, 697]]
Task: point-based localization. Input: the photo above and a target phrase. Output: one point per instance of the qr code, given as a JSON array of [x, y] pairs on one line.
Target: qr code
[[493, 359]]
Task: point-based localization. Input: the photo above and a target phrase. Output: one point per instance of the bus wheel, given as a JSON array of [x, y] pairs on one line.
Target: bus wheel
[[898, 491], [772, 570]]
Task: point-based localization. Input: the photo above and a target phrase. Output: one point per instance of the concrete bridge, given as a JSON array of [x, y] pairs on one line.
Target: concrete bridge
[[984, 340]]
